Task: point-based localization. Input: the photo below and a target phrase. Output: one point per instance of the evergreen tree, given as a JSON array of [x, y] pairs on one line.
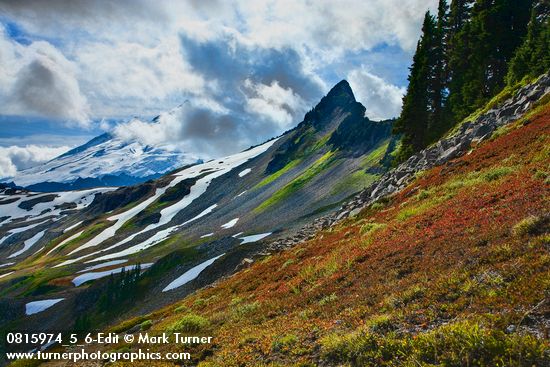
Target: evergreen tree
[[439, 82], [415, 115], [482, 49], [462, 60], [458, 51], [532, 58]]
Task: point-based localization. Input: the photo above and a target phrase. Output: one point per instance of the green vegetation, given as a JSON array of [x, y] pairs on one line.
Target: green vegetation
[[146, 325], [529, 225], [464, 343], [38, 282], [319, 166], [189, 323], [533, 57], [284, 343], [240, 309], [370, 227], [269, 179]]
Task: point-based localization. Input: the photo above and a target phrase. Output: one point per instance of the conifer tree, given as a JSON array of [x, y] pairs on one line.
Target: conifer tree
[[458, 51], [415, 114], [532, 58], [439, 79]]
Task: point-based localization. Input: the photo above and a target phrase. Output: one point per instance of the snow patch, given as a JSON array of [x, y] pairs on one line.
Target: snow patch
[[202, 214], [11, 232], [218, 167], [207, 235], [38, 306], [103, 265], [69, 239], [101, 274], [245, 172], [81, 198], [190, 274], [72, 227], [6, 274], [230, 224], [28, 244], [254, 238]]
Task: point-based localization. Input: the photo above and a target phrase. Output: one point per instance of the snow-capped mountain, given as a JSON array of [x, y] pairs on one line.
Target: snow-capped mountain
[[106, 160]]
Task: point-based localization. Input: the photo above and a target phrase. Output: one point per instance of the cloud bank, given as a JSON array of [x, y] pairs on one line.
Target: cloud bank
[[249, 70], [17, 158]]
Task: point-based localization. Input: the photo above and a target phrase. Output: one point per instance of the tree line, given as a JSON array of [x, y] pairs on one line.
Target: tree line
[[467, 53]]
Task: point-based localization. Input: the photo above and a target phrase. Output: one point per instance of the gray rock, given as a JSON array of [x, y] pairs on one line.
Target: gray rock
[[355, 212]]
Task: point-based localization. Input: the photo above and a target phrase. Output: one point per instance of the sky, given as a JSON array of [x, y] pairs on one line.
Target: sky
[[240, 71]]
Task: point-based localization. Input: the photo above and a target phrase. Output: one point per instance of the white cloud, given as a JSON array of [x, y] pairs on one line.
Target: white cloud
[[136, 74], [381, 99], [273, 102], [129, 54], [16, 158], [39, 80], [121, 58]]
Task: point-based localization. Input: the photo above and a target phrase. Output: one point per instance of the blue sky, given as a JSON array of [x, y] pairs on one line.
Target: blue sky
[[244, 71]]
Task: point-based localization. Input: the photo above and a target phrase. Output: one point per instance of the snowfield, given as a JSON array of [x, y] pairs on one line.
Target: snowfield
[[68, 239], [190, 274], [38, 306], [6, 274], [103, 265], [245, 172], [86, 277], [106, 155], [81, 198], [254, 238], [230, 224], [28, 244], [213, 169]]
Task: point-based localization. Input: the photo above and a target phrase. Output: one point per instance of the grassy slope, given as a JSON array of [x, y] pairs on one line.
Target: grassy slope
[[434, 276]]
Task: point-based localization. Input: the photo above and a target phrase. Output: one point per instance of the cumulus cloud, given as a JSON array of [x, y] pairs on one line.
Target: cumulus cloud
[[250, 69], [38, 79], [381, 99], [273, 102], [188, 128], [16, 158], [129, 74]]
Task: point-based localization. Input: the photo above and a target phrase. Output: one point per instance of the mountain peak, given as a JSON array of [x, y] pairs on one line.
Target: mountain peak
[[341, 90]]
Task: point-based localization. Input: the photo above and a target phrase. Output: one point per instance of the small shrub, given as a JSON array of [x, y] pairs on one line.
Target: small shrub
[[540, 175], [242, 309], [189, 323], [146, 325], [287, 264], [181, 308], [328, 299], [380, 323], [496, 173], [284, 343], [199, 303], [412, 294], [529, 225], [371, 227], [423, 194]]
